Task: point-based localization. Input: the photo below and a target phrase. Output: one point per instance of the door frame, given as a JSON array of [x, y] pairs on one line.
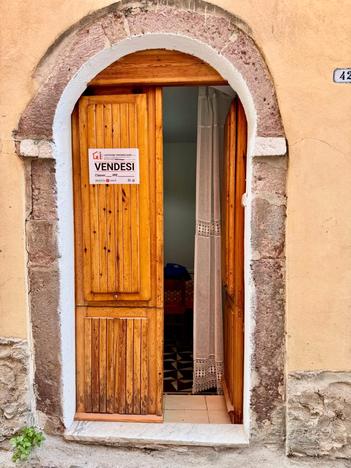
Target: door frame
[[98, 86], [151, 69], [261, 143]]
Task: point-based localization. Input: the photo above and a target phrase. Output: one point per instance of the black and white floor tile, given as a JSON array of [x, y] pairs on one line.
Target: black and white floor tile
[[178, 368]]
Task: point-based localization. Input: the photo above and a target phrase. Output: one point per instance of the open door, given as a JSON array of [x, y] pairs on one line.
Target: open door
[[119, 261], [233, 258]]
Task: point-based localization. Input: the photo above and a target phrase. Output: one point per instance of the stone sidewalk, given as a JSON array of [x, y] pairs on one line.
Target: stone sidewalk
[[56, 453]]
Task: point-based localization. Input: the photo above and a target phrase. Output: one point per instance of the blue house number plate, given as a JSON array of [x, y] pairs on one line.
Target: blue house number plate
[[342, 75]]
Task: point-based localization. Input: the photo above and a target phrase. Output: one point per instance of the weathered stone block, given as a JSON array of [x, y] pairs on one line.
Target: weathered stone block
[[267, 229], [216, 31], [270, 146], [268, 391], [44, 298], [250, 63], [43, 190], [114, 26], [14, 395], [41, 242], [319, 414], [36, 149], [269, 175]]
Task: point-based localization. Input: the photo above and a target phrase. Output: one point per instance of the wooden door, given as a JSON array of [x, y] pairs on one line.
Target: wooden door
[[119, 262], [233, 258]]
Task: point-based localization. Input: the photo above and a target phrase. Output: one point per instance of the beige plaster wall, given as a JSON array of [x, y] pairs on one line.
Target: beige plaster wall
[[302, 41]]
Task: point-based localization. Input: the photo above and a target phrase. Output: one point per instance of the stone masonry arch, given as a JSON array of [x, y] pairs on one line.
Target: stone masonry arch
[[43, 141]]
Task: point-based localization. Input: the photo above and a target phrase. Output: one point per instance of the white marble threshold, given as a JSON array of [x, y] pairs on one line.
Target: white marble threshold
[[150, 434]]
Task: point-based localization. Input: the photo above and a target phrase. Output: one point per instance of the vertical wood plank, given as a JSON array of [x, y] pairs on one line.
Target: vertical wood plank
[[117, 226], [231, 198], [159, 361], [130, 366], [152, 370], [158, 216], [144, 384], [93, 208], [95, 360], [134, 207], [238, 364], [147, 211], [87, 365], [118, 352], [126, 205], [136, 366], [122, 344], [101, 203], [151, 124], [103, 365], [78, 206], [85, 192], [111, 364], [110, 208], [80, 359]]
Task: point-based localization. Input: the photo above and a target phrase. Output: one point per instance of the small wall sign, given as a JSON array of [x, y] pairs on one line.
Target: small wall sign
[[113, 165], [342, 75]]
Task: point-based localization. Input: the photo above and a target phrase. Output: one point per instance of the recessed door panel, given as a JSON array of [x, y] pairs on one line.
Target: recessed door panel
[[116, 218]]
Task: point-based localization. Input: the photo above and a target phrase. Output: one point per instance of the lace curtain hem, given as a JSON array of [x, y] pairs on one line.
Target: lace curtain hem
[[208, 374]]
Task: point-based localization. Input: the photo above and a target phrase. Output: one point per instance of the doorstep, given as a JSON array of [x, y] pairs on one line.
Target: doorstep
[[150, 434]]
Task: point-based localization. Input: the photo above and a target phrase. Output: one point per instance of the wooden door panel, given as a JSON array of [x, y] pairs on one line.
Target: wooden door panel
[[119, 262], [115, 376], [233, 258], [116, 218]]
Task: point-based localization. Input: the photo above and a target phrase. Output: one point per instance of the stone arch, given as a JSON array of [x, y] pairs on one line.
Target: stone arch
[[43, 136]]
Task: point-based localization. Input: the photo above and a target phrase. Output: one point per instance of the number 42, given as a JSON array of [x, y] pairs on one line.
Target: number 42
[[345, 75]]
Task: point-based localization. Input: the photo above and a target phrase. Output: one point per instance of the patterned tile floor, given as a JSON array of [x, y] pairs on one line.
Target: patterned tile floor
[[178, 358], [178, 368]]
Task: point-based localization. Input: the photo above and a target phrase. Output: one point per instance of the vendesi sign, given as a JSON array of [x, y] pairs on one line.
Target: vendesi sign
[[113, 165], [342, 75]]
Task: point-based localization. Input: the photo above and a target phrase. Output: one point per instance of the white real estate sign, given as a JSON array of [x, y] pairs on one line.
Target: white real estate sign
[[113, 165]]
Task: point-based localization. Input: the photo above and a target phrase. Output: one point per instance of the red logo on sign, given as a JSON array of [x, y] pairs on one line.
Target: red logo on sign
[[107, 180], [97, 155]]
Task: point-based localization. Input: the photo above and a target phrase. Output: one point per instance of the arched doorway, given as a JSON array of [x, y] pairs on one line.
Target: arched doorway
[[44, 130], [121, 295]]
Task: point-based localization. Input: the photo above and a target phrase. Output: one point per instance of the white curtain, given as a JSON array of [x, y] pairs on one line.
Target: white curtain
[[213, 106]]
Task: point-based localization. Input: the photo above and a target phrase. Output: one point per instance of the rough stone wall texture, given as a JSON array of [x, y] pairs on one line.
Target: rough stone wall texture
[[268, 273], [319, 414], [41, 232], [197, 20], [14, 395]]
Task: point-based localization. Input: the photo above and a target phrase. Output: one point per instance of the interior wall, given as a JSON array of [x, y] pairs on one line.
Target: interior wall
[[179, 203], [179, 153]]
